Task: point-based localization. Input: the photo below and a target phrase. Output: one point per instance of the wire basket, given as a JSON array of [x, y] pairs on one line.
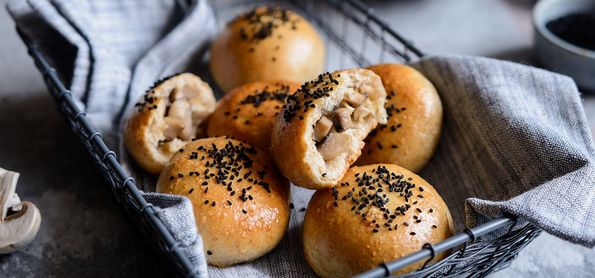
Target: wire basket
[[354, 37]]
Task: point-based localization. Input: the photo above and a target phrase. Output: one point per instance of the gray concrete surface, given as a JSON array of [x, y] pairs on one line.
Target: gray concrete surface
[[84, 233]]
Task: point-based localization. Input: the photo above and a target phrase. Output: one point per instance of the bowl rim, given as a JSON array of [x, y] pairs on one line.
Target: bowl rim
[[545, 32]]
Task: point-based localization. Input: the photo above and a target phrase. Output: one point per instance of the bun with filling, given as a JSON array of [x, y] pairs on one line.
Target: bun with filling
[[168, 116], [320, 132]]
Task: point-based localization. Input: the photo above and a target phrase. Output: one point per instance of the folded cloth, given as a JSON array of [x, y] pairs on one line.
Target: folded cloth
[[515, 139], [111, 51]]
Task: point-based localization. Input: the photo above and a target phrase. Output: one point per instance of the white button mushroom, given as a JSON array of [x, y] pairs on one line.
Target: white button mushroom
[[19, 221]]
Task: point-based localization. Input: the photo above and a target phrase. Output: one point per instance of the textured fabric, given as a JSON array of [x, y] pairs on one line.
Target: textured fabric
[[515, 141], [110, 51], [515, 138], [173, 211]]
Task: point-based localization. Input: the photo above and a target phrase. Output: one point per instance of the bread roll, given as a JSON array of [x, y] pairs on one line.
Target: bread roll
[[247, 113], [266, 44], [168, 116], [241, 204], [321, 130], [410, 137], [377, 213]]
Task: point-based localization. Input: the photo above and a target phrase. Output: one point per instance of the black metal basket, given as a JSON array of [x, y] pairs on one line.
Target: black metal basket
[[354, 37]]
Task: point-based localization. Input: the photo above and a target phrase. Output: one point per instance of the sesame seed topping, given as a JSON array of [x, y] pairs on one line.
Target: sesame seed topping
[[302, 101], [262, 23]]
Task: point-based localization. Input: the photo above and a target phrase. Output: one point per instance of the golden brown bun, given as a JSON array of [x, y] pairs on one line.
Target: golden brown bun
[[346, 233], [247, 112], [410, 137], [248, 49], [168, 116], [321, 130], [241, 204]]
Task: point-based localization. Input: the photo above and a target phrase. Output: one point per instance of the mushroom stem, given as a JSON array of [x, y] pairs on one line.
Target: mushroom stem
[[8, 197], [19, 228]]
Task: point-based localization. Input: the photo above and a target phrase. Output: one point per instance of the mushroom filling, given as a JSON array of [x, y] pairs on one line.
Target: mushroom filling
[[331, 132], [184, 112]]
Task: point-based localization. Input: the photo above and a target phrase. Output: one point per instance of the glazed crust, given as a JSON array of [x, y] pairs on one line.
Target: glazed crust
[[412, 133], [144, 136], [247, 51], [292, 140], [241, 203], [247, 113], [342, 238]]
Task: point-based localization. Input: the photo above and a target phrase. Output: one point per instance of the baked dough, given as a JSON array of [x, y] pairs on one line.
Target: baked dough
[[377, 213], [240, 202], [168, 116], [266, 44], [412, 133], [247, 113], [321, 130]]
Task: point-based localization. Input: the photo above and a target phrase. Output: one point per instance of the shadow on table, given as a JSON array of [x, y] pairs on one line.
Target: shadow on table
[[83, 231]]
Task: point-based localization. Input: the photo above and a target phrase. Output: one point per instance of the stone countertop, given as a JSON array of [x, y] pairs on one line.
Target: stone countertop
[[84, 232]]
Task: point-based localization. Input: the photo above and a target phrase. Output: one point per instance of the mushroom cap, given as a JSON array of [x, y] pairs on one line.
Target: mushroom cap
[[18, 229]]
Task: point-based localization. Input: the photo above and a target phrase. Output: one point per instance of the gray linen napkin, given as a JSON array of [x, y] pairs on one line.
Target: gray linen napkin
[[515, 141], [109, 52], [515, 138]]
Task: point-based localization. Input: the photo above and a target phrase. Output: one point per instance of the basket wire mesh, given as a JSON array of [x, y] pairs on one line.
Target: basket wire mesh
[[355, 37]]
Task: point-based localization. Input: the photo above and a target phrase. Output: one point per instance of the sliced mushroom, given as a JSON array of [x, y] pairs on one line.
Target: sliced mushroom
[[355, 99], [334, 145], [181, 110], [173, 127], [343, 118], [19, 221], [322, 128]]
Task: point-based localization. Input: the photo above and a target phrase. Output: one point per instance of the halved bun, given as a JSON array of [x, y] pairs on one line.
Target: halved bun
[[321, 130], [169, 115]]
